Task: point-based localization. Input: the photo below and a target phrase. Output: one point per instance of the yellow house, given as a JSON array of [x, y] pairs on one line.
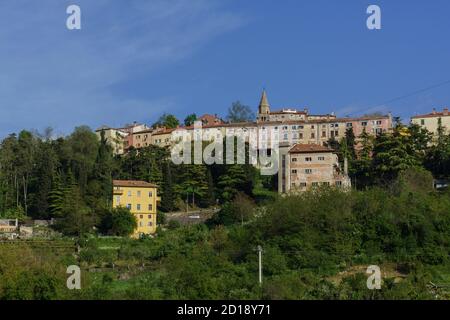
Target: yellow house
[[141, 198]]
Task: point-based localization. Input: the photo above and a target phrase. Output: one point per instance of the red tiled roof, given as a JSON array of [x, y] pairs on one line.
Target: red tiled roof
[[166, 131], [309, 148], [210, 119], [434, 114], [133, 183]]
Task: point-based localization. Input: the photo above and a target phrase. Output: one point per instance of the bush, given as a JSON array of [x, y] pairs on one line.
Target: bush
[[119, 222]]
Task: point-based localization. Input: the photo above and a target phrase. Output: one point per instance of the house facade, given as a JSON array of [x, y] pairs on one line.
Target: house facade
[[430, 121], [306, 166], [142, 199]]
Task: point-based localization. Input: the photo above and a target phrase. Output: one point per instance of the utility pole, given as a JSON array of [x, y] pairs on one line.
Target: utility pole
[[259, 249]]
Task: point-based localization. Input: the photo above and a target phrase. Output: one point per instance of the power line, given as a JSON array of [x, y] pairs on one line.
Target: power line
[[441, 84]]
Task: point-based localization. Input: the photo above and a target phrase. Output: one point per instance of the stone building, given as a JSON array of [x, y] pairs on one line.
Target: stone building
[[305, 166]]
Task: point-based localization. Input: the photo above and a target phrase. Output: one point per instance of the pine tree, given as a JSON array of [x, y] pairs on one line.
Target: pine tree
[[167, 189], [103, 169], [362, 165], [56, 196]]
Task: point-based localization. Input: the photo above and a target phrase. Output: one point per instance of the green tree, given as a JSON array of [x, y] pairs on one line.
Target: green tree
[[119, 222], [167, 120], [437, 157], [190, 119], [393, 154], [363, 163], [43, 175], [240, 113], [167, 190], [80, 152]]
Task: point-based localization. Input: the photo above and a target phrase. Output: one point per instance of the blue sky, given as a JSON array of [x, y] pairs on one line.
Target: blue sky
[[135, 59]]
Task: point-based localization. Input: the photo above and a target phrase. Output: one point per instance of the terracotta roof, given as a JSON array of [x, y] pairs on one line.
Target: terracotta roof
[[309, 148], [166, 131], [434, 114], [133, 183], [210, 119]]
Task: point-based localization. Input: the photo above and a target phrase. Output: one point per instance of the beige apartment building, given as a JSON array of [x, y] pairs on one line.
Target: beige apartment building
[[430, 121], [120, 139], [116, 138], [305, 166], [288, 126]]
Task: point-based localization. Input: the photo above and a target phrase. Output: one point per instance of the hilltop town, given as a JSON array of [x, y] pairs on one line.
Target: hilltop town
[[347, 192]]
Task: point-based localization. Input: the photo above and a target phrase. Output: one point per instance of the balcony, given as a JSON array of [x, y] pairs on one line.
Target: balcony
[[117, 191]]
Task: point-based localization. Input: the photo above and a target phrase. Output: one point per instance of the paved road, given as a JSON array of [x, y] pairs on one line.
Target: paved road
[[191, 217]]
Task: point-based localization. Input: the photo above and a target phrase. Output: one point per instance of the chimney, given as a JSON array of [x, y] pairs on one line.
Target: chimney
[[445, 111]]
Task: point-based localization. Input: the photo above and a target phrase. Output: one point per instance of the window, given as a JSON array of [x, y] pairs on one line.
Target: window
[[139, 193], [150, 207], [141, 216], [313, 136], [294, 171], [294, 159], [324, 134], [422, 122], [129, 193], [315, 184], [364, 123], [312, 127], [308, 159], [349, 125], [118, 199], [300, 135], [336, 133], [141, 224], [326, 183], [138, 207], [308, 171], [321, 158], [303, 184], [338, 183], [378, 131], [285, 136], [150, 223], [150, 194], [300, 127], [149, 216], [379, 122]]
